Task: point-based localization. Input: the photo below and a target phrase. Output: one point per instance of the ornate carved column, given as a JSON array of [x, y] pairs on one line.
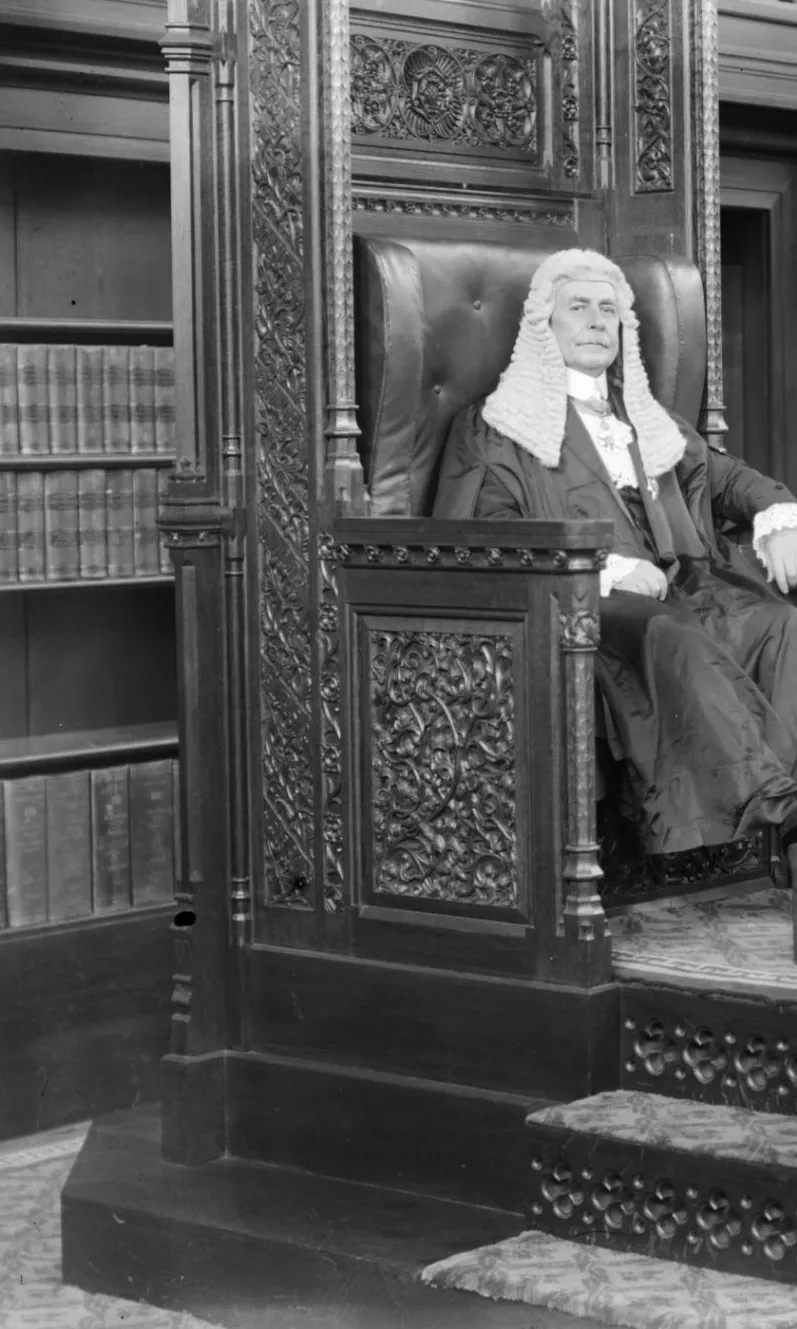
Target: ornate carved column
[[705, 65], [584, 919], [343, 474], [196, 524]]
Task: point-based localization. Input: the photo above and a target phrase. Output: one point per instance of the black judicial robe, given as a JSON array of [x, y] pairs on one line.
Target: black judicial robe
[[700, 690]]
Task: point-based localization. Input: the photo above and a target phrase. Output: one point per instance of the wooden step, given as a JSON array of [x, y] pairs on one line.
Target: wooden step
[[712, 1047], [703, 1184]]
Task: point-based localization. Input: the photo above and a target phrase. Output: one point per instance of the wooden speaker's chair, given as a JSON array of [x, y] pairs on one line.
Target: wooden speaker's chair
[[435, 325]]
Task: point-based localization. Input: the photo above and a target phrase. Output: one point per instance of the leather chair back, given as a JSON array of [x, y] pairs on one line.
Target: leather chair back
[[436, 321]]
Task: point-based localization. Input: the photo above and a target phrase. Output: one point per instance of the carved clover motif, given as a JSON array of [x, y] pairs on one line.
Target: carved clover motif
[[705, 1056], [664, 1209], [776, 1234], [560, 1190], [612, 1198], [719, 1221], [654, 1048], [756, 1064]]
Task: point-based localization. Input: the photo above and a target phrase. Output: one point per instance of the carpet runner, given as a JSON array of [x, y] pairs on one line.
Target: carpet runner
[[740, 944], [614, 1287], [32, 1295]]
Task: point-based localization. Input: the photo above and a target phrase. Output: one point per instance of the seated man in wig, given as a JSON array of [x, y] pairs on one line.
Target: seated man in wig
[[697, 665]]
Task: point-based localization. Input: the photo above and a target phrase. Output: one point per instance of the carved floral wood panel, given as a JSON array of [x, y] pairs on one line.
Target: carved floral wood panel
[[452, 94], [282, 464], [442, 755], [652, 94]]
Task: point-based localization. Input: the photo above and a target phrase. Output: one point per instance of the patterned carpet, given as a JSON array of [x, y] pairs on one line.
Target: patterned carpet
[[711, 1130], [32, 1296], [615, 1288], [739, 944]]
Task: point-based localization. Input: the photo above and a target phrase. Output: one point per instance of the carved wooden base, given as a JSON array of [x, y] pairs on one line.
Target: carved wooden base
[[247, 1247], [668, 1200], [710, 1048]]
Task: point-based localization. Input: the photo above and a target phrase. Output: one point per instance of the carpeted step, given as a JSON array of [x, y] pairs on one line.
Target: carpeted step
[[671, 1179], [613, 1287]]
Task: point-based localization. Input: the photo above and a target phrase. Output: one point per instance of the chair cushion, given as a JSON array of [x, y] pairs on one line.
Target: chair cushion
[[436, 321]]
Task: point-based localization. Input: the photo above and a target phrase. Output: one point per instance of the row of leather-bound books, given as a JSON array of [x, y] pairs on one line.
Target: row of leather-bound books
[[65, 525], [62, 399], [87, 842]]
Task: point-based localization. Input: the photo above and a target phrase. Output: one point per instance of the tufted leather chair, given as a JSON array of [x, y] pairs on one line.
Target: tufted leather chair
[[436, 321]]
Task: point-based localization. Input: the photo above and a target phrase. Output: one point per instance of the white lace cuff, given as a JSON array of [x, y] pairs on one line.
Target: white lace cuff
[[777, 517], [618, 566]]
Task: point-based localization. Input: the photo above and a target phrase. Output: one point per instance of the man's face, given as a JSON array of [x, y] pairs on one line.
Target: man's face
[[586, 323]]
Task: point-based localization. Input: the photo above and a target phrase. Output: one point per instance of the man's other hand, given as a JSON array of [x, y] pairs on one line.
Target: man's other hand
[[780, 555], [647, 579]]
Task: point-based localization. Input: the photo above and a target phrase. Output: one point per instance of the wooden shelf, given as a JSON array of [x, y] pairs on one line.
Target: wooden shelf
[[85, 461], [89, 747], [91, 921], [86, 331], [162, 579]]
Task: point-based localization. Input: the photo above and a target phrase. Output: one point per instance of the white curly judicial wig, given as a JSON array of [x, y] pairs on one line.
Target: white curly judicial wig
[[530, 403]]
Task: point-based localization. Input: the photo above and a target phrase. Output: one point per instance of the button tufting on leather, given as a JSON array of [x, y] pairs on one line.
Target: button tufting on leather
[[477, 304], [437, 388]]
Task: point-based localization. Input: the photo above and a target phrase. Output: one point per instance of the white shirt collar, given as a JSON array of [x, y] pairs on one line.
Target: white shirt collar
[[583, 386]]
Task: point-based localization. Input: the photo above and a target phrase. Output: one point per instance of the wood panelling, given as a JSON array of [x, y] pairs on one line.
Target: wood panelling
[[100, 657], [84, 239], [140, 20], [84, 1019], [767, 189], [758, 52], [400, 1018], [651, 198], [471, 118]]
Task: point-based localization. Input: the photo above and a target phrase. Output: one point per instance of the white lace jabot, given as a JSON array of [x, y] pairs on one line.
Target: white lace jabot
[[611, 437]]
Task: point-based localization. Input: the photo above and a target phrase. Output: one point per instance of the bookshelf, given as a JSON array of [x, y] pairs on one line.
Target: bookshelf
[[89, 776]]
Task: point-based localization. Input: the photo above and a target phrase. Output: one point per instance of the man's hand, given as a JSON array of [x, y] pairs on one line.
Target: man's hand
[[646, 579], [779, 551]]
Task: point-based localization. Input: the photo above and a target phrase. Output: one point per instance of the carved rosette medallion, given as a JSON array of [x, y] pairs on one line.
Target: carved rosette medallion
[[283, 503], [443, 767], [653, 97], [570, 89], [453, 95]]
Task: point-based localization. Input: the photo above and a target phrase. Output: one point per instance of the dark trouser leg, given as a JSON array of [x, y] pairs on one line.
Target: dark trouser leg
[[708, 756]]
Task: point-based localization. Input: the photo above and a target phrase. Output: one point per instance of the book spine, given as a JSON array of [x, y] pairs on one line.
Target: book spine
[[145, 522], [61, 554], [165, 557], [30, 526], [33, 410], [110, 839], [62, 398], [119, 523], [164, 400], [26, 858], [116, 398], [9, 405], [68, 846], [151, 832], [89, 374], [142, 399], [92, 551], [8, 526]]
